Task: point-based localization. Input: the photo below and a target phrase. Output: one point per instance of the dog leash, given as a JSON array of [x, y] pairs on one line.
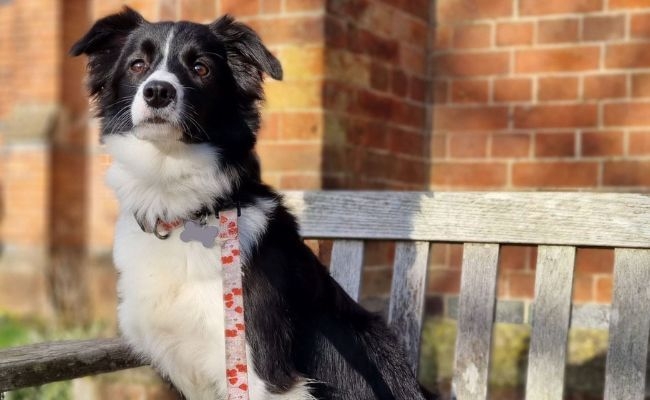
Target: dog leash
[[233, 302], [233, 290]]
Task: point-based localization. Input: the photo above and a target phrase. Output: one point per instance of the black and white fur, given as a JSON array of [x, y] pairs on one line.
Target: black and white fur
[[179, 109]]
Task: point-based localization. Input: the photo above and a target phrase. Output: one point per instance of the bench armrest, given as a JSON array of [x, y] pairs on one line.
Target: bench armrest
[[42, 363]]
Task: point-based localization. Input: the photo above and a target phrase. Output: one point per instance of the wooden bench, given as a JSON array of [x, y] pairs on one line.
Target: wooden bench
[[556, 222]]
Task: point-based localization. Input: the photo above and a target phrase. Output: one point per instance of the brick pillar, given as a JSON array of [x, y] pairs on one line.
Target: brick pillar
[[68, 230], [29, 114]]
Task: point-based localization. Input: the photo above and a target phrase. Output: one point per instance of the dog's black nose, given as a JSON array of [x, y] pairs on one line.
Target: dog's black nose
[[159, 94]]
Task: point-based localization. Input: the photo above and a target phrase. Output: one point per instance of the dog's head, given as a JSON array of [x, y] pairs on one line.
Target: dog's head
[[177, 81]]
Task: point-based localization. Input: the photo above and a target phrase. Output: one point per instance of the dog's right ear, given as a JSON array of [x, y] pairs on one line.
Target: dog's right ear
[[103, 44], [108, 34]]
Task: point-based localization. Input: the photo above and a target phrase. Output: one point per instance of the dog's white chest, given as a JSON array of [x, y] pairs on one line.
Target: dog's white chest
[[171, 306]]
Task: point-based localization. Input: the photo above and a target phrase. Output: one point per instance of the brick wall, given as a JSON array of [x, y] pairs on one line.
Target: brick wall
[[536, 95]]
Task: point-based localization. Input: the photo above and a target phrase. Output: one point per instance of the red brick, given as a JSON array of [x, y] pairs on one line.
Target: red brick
[[627, 114], [514, 33], [606, 143], [475, 63], [410, 171], [399, 83], [641, 85], [416, 8], [536, 7], [577, 58], [271, 6], [640, 26], [270, 127], [583, 289], [628, 55], [440, 91], [294, 30], [557, 31], [556, 116], [438, 148], [512, 89], [558, 88], [510, 145], [639, 143], [442, 36], [594, 260], [614, 4], [603, 28], [522, 285], [468, 145], [481, 118], [444, 281], [469, 91], [295, 156], [560, 144], [303, 5], [199, 11], [438, 255], [604, 286], [301, 125], [472, 36], [300, 181], [512, 257], [626, 173], [379, 76], [418, 89], [455, 256], [469, 175], [605, 86], [407, 142], [452, 11], [240, 8], [410, 114], [560, 174]]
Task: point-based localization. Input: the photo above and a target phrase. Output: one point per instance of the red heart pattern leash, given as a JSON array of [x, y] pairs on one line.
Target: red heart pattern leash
[[233, 300]]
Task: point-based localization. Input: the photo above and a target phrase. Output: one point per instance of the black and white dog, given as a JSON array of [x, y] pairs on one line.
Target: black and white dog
[[179, 105]]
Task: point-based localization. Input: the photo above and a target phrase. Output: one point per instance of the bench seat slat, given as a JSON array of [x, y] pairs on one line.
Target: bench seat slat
[[347, 265], [475, 319], [407, 296], [56, 361], [629, 326], [551, 317]]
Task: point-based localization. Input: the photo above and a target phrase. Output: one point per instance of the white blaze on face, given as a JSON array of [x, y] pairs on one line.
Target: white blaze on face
[[141, 111]]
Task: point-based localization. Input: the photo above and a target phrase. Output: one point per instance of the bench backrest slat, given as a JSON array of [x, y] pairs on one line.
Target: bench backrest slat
[[572, 219], [347, 265], [476, 309], [408, 290], [629, 326], [551, 317]]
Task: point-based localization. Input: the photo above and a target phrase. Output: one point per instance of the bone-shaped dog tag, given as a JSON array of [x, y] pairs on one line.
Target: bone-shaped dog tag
[[206, 234]]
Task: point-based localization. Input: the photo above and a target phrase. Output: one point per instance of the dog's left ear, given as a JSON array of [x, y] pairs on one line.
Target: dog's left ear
[[244, 47]]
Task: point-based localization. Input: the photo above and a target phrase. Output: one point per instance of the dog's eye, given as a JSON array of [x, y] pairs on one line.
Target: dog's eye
[[200, 69], [138, 66]]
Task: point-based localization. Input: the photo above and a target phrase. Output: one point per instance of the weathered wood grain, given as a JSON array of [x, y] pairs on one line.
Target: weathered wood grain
[[55, 361], [629, 326], [475, 319], [347, 265], [408, 290], [574, 219], [547, 353]]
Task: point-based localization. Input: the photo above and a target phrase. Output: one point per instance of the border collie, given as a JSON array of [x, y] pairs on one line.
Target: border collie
[[179, 106]]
